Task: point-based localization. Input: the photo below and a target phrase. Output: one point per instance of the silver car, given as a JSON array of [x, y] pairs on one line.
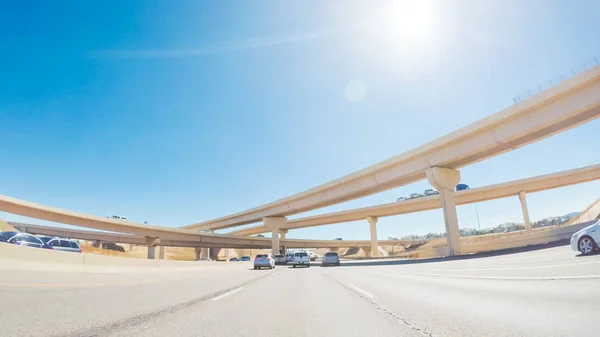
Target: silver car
[[65, 245], [264, 261], [331, 259]]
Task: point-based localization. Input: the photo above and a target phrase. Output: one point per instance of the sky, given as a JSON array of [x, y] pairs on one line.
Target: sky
[[177, 112]]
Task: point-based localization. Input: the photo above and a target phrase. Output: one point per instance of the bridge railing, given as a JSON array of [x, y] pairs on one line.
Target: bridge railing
[[558, 79]]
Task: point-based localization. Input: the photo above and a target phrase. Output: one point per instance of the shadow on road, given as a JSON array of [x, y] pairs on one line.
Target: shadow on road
[[360, 263]]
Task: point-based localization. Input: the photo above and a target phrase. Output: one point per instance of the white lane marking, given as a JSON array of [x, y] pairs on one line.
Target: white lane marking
[[516, 267], [368, 294], [231, 292], [509, 278]]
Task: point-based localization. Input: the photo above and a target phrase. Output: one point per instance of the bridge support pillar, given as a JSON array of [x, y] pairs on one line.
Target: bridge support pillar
[[198, 251], [445, 180], [97, 244], [367, 251], [275, 223], [373, 229], [523, 199], [152, 243], [161, 252]]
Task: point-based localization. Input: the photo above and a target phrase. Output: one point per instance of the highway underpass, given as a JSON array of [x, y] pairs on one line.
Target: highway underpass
[[547, 292]]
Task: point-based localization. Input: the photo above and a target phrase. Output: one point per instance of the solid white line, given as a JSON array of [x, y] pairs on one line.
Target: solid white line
[[228, 293], [517, 267], [368, 294], [509, 278]]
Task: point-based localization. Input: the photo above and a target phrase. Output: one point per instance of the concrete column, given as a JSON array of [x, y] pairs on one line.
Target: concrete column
[[130, 247], [367, 251], [198, 251], [205, 253], [161, 252], [97, 244], [445, 180], [523, 199], [152, 243], [274, 223], [373, 229]]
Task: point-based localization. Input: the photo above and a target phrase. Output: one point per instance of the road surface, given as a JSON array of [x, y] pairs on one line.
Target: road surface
[[548, 292]]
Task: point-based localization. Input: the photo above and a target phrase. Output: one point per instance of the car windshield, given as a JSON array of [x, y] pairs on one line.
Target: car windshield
[[279, 255], [300, 254], [262, 256]]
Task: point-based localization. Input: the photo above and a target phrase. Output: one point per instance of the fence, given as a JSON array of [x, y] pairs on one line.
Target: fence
[[558, 79]]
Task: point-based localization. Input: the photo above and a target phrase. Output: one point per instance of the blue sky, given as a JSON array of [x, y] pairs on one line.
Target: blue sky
[[175, 112]]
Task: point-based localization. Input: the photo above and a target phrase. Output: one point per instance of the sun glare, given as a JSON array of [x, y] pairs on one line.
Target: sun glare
[[407, 20]]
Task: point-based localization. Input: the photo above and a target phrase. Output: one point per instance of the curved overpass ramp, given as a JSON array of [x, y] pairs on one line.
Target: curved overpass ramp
[[484, 193], [568, 104]]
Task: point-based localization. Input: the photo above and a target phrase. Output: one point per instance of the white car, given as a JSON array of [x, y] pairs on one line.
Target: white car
[[301, 259], [264, 261], [586, 240]]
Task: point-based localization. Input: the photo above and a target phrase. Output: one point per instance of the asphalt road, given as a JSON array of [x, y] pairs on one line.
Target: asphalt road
[[548, 292]]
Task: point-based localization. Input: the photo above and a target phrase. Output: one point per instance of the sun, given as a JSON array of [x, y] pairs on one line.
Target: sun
[[407, 20]]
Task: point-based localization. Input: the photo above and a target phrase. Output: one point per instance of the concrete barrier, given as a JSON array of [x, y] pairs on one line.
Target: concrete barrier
[[28, 258]]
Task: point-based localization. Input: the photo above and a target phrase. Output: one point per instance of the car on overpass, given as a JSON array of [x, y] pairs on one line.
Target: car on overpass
[[587, 240], [430, 192]]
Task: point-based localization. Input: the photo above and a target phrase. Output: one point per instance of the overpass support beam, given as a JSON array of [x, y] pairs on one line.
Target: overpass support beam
[[283, 233], [198, 251], [367, 251], [445, 180], [523, 199], [275, 223], [152, 243], [161, 252], [373, 229]]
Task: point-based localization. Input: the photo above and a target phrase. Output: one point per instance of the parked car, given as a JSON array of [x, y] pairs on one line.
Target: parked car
[[264, 261], [113, 246], [234, 259], [65, 245], [301, 259], [331, 259], [280, 259], [586, 240], [24, 239], [462, 187], [246, 258], [430, 192]]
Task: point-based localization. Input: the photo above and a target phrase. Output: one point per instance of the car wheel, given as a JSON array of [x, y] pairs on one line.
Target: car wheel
[[294, 266], [255, 268], [586, 245]]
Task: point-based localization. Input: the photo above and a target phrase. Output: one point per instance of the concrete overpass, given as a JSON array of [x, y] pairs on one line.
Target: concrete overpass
[[512, 188], [564, 106], [570, 103], [138, 240]]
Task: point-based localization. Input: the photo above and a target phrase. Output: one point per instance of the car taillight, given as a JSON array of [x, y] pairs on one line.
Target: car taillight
[[80, 250], [256, 258], [268, 258]]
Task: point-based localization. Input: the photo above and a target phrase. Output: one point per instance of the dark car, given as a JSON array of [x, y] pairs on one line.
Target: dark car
[[245, 258], [24, 239], [462, 187], [234, 259], [5, 236]]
